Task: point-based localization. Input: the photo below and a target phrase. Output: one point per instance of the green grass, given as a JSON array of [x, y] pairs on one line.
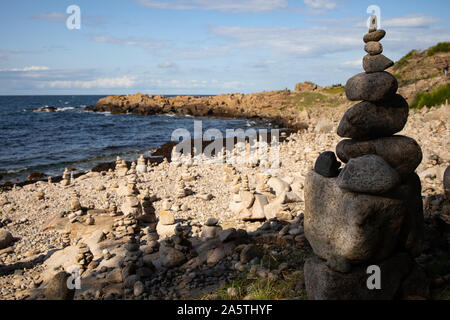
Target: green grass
[[440, 47], [310, 99], [251, 287], [434, 98], [334, 90]]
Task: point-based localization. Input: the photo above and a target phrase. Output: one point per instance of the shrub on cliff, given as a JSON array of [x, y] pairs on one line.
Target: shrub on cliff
[[435, 98]]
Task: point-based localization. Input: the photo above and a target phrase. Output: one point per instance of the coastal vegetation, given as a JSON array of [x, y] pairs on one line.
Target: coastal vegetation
[[434, 98]]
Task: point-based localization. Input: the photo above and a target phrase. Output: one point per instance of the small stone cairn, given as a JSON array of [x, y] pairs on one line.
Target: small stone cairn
[[65, 178], [141, 166], [370, 212], [84, 257]]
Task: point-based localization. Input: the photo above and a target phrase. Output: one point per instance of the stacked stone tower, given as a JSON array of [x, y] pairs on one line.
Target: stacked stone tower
[[365, 221]]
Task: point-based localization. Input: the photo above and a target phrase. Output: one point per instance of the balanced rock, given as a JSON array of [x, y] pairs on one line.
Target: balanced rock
[[351, 226], [374, 36], [141, 166], [373, 48], [401, 153], [377, 63], [371, 87], [368, 174], [323, 283], [374, 119], [327, 165]]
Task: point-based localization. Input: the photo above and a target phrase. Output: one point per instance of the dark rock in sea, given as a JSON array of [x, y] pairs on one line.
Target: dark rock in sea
[[57, 288], [376, 63], [373, 48], [45, 109], [327, 165], [447, 182], [323, 283], [371, 87], [374, 36], [400, 152], [373, 120], [36, 176]]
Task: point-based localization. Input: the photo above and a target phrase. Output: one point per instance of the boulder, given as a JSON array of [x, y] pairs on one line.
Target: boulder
[[57, 288], [211, 232], [5, 238], [402, 153], [323, 283], [368, 120], [278, 185], [351, 226], [249, 252], [374, 36], [327, 165], [368, 174], [376, 63], [372, 87], [412, 232], [447, 182], [170, 257]]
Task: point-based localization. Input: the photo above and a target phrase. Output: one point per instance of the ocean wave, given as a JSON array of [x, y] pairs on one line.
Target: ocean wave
[[64, 109], [12, 171]]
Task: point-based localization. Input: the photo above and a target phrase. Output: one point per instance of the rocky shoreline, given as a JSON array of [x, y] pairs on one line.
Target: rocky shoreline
[[132, 259]]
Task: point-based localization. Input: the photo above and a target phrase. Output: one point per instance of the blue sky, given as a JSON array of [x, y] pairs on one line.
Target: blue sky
[[200, 46]]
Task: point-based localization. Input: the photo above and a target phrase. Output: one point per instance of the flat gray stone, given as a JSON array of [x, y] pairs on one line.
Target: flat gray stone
[[371, 87], [368, 120], [368, 174], [374, 36], [402, 153], [376, 63]]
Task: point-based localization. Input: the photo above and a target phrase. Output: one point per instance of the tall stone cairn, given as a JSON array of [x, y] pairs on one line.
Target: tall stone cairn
[[370, 212]]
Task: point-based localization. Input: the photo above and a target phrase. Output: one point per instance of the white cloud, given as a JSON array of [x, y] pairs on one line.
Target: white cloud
[[233, 6], [353, 63], [321, 4], [120, 82], [51, 16], [166, 65], [146, 43], [410, 21], [26, 69], [305, 42]]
